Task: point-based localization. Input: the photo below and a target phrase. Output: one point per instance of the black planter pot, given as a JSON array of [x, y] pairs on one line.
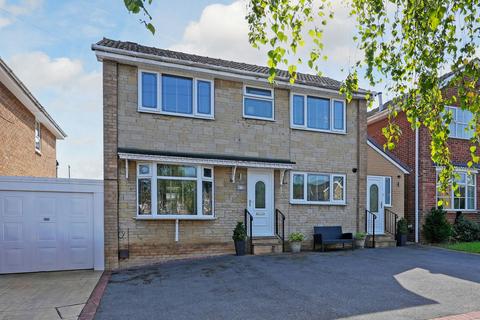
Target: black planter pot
[[240, 247], [401, 240]]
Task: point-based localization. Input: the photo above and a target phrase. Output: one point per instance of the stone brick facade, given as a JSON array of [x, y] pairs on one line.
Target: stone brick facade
[[228, 134], [17, 135], [405, 151]]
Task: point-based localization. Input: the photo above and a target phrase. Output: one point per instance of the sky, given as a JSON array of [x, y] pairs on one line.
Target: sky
[[48, 45]]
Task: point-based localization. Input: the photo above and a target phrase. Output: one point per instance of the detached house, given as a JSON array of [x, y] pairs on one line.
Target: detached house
[[27, 132], [413, 150], [194, 144]]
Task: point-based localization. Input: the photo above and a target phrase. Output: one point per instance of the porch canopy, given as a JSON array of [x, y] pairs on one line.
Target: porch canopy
[[204, 159]]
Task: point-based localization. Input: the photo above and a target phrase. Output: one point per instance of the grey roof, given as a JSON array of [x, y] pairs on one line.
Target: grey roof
[[27, 92], [389, 154], [302, 78]]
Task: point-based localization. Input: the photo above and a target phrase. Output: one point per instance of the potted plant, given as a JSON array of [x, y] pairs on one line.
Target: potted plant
[[296, 239], [239, 237], [360, 239], [402, 231]]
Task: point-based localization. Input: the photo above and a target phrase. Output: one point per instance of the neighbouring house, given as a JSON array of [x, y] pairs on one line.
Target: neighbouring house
[[27, 132], [385, 191], [413, 149], [194, 144]]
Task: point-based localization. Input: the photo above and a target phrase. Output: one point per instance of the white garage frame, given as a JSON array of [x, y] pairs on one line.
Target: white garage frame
[[93, 187]]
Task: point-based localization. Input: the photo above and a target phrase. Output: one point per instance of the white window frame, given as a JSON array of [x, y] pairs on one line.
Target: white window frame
[[305, 188], [258, 97], [388, 205], [452, 192], [305, 113], [38, 129], [153, 180], [158, 110], [455, 110]]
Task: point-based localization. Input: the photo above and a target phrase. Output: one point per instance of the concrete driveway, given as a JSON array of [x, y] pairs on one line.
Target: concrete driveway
[[45, 295], [390, 283]]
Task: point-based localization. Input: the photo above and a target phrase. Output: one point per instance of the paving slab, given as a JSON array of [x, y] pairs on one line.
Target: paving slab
[[45, 295]]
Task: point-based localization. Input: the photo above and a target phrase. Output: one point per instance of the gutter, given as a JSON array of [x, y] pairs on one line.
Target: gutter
[[417, 142], [103, 52]]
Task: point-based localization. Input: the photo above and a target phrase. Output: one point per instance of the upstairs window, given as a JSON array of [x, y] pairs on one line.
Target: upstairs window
[[460, 122], [464, 198], [317, 114], [175, 95], [258, 103], [38, 136]]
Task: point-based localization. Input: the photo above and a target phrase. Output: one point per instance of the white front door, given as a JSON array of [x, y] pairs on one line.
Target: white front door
[[260, 201], [375, 196], [45, 231]]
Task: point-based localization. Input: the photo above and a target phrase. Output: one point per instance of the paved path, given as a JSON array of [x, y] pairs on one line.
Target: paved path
[[390, 283], [45, 295]]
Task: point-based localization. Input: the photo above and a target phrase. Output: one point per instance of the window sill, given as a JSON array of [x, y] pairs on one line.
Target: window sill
[[257, 118], [175, 217], [318, 130], [459, 138], [318, 203], [193, 116], [38, 152]]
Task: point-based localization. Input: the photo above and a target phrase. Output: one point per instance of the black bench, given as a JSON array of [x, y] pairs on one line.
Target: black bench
[[331, 235]]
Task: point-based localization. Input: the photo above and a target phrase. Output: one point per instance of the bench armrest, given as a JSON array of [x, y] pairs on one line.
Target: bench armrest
[[317, 238], [347, 235]]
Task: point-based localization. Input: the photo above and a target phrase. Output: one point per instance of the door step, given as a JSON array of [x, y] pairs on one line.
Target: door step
[[381, 241], [266, 245]]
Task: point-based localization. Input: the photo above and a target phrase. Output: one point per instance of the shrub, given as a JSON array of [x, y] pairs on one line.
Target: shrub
[[437, 228], [296, 237], [402, 226], [360, 235], [465, 230], [239, 233]]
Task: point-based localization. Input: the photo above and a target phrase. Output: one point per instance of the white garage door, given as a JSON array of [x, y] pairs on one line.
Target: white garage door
[[45, 231]]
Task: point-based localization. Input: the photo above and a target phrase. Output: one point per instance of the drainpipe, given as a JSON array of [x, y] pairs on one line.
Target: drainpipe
[[416, 183]]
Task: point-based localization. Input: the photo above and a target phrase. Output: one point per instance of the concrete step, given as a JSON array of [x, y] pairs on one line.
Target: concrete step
[[381, 241], [266, 245]]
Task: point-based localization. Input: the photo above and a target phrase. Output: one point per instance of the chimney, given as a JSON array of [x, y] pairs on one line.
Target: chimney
[[380, 101]]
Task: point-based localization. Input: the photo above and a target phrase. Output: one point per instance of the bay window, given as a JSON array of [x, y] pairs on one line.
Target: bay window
[[464, 198], [174, 190], [317, 188], [317, 113], [175, 95]]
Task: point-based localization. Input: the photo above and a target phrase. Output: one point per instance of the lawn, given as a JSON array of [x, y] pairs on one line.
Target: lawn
[[473, 247]]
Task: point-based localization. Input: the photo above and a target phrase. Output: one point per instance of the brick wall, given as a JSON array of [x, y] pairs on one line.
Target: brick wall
[[230, 134], [17, 135]]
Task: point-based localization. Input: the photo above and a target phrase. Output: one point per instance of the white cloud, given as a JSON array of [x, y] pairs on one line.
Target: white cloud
[[9, 11], [73, 96]]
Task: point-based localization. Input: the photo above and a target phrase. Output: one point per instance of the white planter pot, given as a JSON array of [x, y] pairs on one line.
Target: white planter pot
[[296, 246], [360, 243]]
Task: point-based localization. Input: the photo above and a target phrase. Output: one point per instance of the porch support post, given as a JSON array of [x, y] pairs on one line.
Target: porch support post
[[234, 172], [126, 169], [282, 176], [176, 230]]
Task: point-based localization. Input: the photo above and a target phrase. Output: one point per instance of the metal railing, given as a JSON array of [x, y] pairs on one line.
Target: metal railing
[[248, 228], [391, 222], [370, 218], [280, 216]]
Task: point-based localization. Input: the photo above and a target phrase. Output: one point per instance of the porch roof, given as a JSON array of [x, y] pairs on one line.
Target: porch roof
[[207, 159]]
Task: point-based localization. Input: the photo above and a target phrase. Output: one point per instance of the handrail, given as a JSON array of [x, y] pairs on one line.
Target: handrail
[[373, 216], [391, 222], [282, 237], [248, 228]]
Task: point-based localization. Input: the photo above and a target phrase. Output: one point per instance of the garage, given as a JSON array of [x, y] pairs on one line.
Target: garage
[[50, 224]]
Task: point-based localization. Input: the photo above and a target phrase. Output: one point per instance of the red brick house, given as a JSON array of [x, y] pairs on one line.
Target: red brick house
[[420, 186], [27, 132]]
